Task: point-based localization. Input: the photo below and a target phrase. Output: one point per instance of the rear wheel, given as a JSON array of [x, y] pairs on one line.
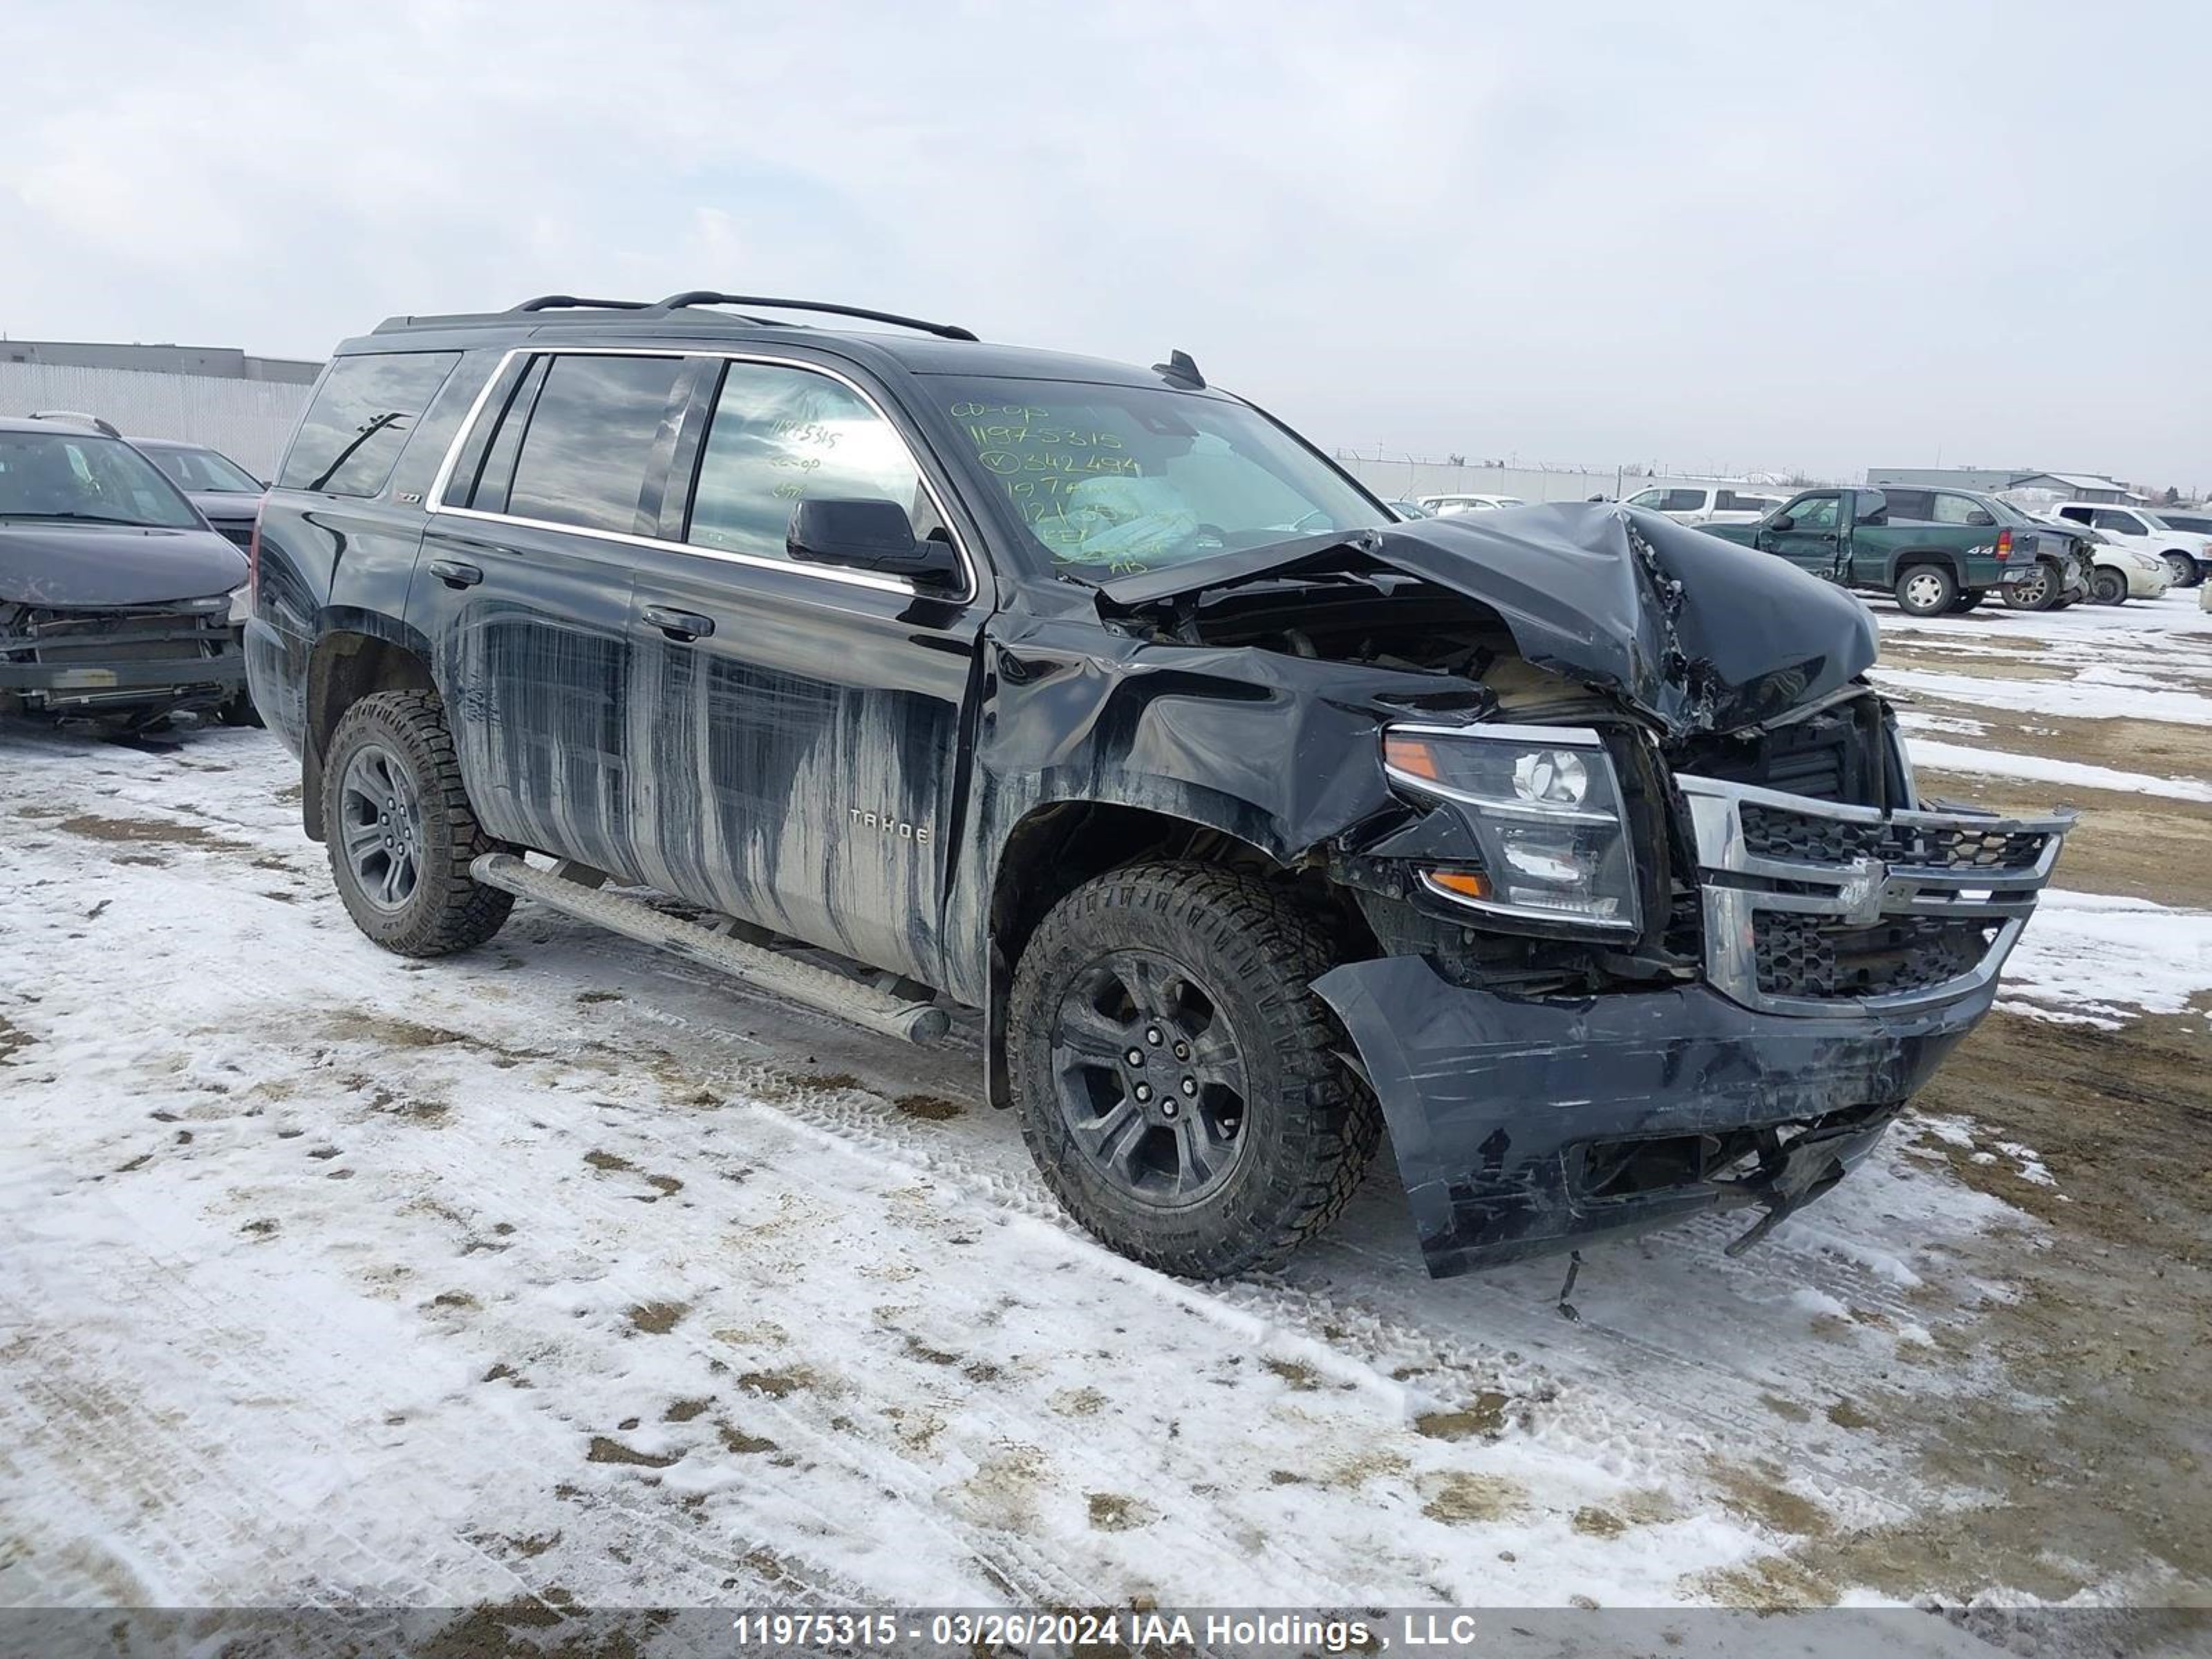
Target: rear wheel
[[401, 834], [1927, 590], [1174, 1073], [1967, 601], [2108, 587], [2037, 591]]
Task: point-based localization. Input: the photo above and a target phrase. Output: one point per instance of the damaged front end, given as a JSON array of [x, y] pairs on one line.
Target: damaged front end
[[1663, 926], [1842, 951]]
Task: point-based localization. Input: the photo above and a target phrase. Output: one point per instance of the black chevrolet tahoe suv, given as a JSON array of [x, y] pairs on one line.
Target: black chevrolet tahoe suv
[[1568, 843]]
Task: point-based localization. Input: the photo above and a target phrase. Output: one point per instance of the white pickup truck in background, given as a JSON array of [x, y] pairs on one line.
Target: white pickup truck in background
[[1704, 503], [2187, 553]]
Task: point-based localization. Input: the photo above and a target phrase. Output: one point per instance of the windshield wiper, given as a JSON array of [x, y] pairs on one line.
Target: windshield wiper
[[85, 518]]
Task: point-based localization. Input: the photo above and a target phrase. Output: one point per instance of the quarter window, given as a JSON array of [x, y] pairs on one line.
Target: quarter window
[[591, 444], [782, 435], [360, 421]]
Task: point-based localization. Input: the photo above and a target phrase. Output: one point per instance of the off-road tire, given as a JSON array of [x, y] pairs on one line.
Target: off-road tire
[[1312, 1127], [1968, 600], [447, 912], [1926, 590], [2108, 587]]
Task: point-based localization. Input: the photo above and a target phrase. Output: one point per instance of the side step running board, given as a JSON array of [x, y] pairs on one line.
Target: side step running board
[[786, 976]]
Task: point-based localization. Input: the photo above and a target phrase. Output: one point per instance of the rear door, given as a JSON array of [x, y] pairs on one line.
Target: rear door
[[523, 590], [804, 767]]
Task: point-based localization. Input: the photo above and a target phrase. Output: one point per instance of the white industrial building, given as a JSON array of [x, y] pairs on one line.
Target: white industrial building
[[243, 405], [1995, 480]]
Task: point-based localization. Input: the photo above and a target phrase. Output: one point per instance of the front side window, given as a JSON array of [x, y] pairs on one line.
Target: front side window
[[360, 421], [1113, 479], [1815, 513], [590, 444], [1651, 499], [205, 471], [782, 435], [67, 475]]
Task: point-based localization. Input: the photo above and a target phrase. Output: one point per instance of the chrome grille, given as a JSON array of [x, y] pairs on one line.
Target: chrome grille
[[1816, 908]]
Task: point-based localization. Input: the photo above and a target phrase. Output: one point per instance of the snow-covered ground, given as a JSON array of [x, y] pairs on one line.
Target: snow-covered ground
[[333, 1276], [566, 1270]]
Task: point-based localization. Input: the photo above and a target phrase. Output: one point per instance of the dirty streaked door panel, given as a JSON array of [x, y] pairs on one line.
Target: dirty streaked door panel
[[801, 761]]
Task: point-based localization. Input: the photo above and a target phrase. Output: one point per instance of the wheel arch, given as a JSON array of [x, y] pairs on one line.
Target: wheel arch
[[352, 659], [1945, 558]]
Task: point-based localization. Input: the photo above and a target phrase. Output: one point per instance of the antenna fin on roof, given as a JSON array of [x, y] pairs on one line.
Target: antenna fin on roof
[[1180, 368]]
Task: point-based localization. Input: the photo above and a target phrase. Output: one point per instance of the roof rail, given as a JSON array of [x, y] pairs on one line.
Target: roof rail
[[563, 302], [76, 417], [702, 296]]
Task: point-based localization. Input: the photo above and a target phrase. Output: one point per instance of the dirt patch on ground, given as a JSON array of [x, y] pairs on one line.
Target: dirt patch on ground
[[657, 1318], [14, 1039], [930, 1108], [1458, 1498], [92, 827], [2095, 1454]]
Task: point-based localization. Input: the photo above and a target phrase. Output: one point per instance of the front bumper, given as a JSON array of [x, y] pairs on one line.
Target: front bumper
[[1847, 950], [1511, 1119], [83, 662]]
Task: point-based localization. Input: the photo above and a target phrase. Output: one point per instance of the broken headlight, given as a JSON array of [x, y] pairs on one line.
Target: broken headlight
[[1545, 808]]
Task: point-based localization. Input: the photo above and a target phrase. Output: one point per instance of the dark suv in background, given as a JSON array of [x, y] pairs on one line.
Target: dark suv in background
[[1096, 699]]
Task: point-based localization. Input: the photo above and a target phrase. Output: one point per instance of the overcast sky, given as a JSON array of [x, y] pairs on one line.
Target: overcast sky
[[1712, 236]]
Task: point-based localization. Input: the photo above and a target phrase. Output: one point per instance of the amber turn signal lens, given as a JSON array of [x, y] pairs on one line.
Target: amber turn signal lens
[[1412, 757], [1463, 882]]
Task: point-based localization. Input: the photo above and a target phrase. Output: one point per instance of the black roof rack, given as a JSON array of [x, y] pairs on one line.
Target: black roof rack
[[563, 302], [701, 296]]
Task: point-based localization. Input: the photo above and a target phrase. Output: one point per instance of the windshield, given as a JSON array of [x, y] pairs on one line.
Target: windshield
[[205, 471], [77, 475], [1114, 480]]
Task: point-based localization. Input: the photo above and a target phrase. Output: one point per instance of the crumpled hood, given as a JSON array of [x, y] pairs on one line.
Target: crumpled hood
[[72, 567], [1697, 633]]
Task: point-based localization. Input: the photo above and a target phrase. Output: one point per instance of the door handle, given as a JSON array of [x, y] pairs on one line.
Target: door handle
[[682, 626], [454, 574]]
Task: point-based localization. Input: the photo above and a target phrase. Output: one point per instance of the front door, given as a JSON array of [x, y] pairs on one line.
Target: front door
[[1814, 535], [523, 587], [806, 757]]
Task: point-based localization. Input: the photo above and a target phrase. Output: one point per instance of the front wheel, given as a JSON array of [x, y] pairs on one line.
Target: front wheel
[[1175, 1073], [2108, 587], [1967, 601], [2183, 568], [401, 833], [1926, 590]]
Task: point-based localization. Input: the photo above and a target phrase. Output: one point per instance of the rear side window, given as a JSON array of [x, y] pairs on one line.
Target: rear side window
[[2120, 523], [1952, 509], [783, 435], [1915, 505], [596, 436], [360, 421], [1683, 500]]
